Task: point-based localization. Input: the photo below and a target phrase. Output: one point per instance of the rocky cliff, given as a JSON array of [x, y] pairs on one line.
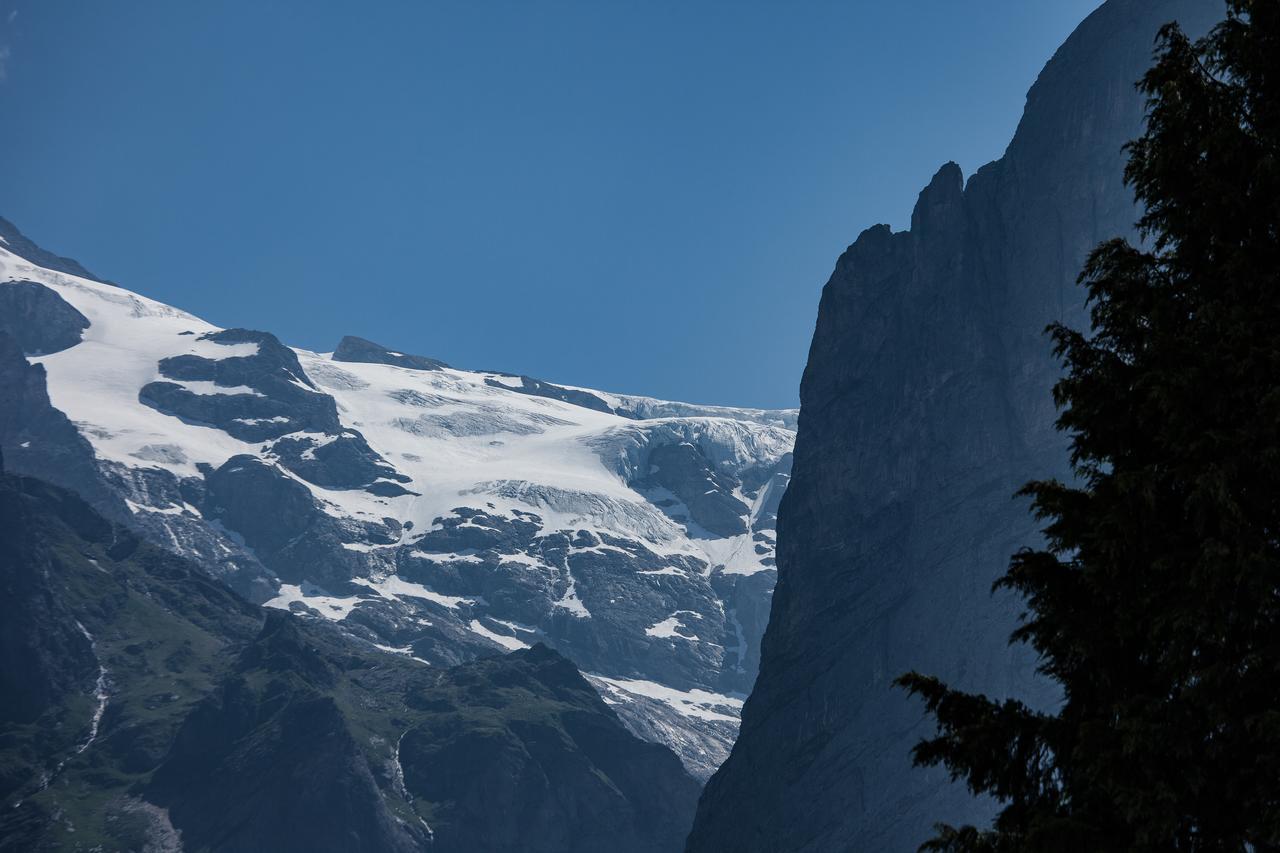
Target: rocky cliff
[[924, 406]]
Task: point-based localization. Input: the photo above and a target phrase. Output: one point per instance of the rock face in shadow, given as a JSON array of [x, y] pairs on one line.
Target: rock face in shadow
[[683, 471], [268, 393], [351, 348], [270, 762], [520, 754], [141, 701], [105, 643], [576, 396], [45, 657], [39, 319], [924, 406], [41, 441]]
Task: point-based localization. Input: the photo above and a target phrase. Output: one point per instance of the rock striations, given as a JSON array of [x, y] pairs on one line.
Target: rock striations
[[924, 406]]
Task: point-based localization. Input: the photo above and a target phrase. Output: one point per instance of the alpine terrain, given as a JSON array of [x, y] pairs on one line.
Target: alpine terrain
[[147, 707], [436, 514]]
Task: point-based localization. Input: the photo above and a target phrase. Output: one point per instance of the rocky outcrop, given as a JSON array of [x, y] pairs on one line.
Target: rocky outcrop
[[253, 397], [142, 702], [925, 404], [342, 461], [519, 754], [105, 641], [706, 494], [538, 388], [39, 319], [41, 441], [269, 761], [45, 657], [356, 349]]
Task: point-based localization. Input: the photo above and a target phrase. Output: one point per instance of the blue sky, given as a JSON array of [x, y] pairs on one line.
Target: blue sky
[[643, 197]]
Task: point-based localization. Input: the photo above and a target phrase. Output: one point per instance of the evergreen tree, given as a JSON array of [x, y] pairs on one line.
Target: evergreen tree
[[1156, 601]]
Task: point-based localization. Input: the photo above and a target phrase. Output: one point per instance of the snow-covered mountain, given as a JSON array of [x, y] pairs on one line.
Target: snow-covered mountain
[[438, 513]]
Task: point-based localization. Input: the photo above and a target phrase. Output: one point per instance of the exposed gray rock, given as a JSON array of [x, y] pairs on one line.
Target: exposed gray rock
[[344, 461], [925, 404], [40, 320], [40, 441], [705, 493], [146, 707], [557, 774], [700, 741], [280, 398], [747, 599], [266, 508], [576, 396], [358, 349], [277, 517]]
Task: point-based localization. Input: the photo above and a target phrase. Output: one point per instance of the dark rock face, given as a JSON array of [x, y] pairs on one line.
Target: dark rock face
[[40, 320], [277, 517], [259, 787], [344, 461], [140, 700], [45, 657], [925, 404], [597, 568], [576, 396], [279, 399], [41, 441], [104, 642], [358, 349], [265, 507], [558, 773], [275, 766], [705, 493]]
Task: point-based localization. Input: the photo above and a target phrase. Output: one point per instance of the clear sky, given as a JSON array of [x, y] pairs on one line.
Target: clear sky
[[643, 197]]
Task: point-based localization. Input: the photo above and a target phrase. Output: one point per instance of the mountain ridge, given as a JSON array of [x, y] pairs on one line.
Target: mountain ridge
[[441, 512]]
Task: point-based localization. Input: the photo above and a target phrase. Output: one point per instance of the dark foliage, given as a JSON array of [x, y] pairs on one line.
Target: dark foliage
[[1156, 602]]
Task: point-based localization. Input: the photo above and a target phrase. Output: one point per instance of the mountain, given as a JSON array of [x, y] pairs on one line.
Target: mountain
[[438, 512], [145, 706], [925, 404]]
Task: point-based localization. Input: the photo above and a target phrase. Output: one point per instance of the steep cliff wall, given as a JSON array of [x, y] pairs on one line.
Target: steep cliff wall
[[924, 406]]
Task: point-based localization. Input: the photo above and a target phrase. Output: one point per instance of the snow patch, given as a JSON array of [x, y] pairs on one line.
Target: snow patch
[[670, 627], [702, 704], [503, 640], [328, 606]]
